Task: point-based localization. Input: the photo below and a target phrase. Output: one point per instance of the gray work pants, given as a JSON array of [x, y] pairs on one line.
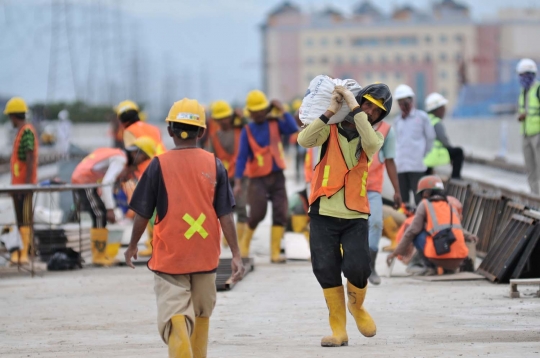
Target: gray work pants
[[531, 152]]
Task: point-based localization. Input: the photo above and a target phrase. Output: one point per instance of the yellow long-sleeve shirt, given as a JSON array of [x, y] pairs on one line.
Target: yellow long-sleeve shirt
[[315, 134]]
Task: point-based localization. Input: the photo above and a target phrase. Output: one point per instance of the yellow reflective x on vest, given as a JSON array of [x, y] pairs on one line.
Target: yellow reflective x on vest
[[196, 226]]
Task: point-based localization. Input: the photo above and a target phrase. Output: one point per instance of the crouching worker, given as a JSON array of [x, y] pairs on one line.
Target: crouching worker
[[339, 206], [105, 165], [189, 188], [435, 231]]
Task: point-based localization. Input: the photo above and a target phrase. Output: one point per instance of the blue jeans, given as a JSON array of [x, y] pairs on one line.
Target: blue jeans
[[375, 221], [420, 241]]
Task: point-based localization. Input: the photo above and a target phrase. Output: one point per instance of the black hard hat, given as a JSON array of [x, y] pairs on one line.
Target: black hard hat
[[380, 93]]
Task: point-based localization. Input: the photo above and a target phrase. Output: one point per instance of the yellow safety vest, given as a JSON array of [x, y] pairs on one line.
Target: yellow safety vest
[[531, 125], [439, 154]]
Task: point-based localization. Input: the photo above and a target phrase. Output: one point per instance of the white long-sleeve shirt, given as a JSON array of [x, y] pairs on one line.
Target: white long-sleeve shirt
[[112, 167], [414, 140]]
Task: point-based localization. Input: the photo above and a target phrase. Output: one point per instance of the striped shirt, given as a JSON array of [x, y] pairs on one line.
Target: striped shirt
[[26, 144]]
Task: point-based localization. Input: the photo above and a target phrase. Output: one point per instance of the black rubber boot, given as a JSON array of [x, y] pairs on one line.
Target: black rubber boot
[[374, 278]]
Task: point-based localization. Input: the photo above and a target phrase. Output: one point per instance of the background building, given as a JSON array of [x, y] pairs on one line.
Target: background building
[[437, 49]]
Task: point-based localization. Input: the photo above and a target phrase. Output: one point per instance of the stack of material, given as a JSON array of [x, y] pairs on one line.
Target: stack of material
[[83, 245]]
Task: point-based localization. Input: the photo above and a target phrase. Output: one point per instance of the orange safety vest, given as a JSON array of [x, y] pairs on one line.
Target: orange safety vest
[[228, 159], [84, 173], [143, 129], [437, 219], [332, 174], [376, 167], [263, 157], [18, 167], [188, 239], [308, 165]]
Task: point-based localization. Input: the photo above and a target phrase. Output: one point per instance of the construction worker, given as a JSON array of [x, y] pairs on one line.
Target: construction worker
[[442, 152], [339, 206], [529, 116], [225, 143], [129, 116], [262, 159], [105, 166], [384, 158], [414, 140], [437, 246], [24, 161], [190, 190]]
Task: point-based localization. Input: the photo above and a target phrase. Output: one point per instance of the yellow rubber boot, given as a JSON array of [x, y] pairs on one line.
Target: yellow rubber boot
[[179, 342], [364, 322], [390, 230], [240, 229], [299, 224], [199, 338], [148, 242], [98, 238], [275, 245], [21, 256], [245, 241], [335, 300]]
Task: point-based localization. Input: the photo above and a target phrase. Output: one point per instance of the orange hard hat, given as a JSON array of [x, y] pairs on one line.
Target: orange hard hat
[[430, 182]]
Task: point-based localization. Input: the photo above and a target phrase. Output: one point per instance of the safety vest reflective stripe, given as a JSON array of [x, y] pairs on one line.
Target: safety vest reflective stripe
[[195, 226], [531, 125], [436, 227], [264, 157], [19, 167]]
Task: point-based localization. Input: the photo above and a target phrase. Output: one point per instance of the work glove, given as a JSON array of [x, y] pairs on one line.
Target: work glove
[[335, 102], [348, 96]]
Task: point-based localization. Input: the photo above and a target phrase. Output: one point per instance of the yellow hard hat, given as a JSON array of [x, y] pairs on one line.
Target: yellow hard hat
[[296, 104], [16, 105], [220, 110], [146, 144], [125, 106], [143, 116], [256, 101], [377, 102], [187, 111]]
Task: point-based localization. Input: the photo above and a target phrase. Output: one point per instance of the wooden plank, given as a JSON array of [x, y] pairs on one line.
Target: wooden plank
[[460, 276], [525, 281]]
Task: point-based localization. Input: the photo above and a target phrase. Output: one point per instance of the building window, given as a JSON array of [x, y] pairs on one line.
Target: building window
[[324, 41], [368, 59], [427, 39], [339, 60], [443, 38], [324, 60], [407, 40], [412, 58], [398, 58], [442, 74], [339, 41], [310, 60], [365, 41], [309, 42], [354, 60], [459, 38], [383, 59], [388, 41], [443, 57], [458, 57], [427, 58]]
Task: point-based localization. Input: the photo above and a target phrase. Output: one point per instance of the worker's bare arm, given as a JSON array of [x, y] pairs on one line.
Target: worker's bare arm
[[139, 225], [229, 230]]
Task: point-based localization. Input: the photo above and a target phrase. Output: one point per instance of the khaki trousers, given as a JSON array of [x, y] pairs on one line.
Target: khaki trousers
[[531, 154], [188, 295]]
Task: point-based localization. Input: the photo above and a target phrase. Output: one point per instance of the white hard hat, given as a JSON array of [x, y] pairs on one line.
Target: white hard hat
[[403, 91], [526, 65], [63, 114], [434, 101]]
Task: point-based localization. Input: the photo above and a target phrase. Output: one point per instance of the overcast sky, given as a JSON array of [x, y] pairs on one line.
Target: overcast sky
[[206, 49]]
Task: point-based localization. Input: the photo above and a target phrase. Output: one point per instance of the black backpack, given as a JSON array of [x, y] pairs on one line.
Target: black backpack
[[65, 259]]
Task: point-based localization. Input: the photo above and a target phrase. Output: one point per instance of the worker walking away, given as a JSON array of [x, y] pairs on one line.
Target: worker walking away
[[339, 206], [442, 152], [435, 231], [105, 165], [529, 116], [225, 143], [414, 140], [262, 158], [63, 131], [384, 158], [24, 161], [190, 190]]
